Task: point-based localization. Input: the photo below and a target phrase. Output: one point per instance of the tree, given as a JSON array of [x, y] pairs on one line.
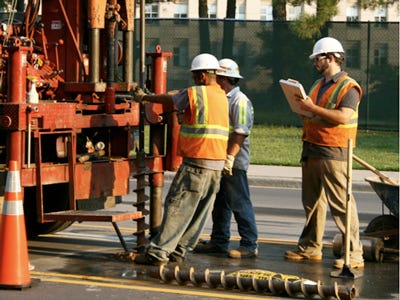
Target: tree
[[279, 10], [203, 9], [231, 9], [310, 26], [229, 29], [204, 30], [374, 3]]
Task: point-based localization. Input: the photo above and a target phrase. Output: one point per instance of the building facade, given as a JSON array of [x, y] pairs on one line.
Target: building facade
[[348, 10]]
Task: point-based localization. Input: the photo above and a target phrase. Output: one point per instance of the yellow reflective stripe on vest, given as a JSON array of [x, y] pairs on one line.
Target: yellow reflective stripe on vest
[[200, 99], [201, 128], [353, 122], [334, 96], [320, 132], [204, 131], [333, 99]]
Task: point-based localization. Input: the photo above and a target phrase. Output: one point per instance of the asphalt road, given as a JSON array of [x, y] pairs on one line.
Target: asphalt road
[[80, 262]]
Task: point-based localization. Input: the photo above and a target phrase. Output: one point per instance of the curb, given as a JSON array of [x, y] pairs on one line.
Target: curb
[[283, 182], [296, 184]]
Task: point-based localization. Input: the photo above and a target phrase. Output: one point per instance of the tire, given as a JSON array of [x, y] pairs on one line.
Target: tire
[[383, 223], [55, 198]]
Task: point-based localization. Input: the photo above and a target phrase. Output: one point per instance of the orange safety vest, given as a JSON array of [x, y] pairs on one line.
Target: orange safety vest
[[205, 124], [320, 132]]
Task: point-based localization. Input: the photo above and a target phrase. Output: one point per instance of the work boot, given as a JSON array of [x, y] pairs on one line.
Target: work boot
[[301, 255], [146, 259], [208, 247], [354, 264], [242, 252], [175, 258]]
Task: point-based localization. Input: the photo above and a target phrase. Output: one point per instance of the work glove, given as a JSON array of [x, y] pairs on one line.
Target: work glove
[[227, 170], [138, 95]]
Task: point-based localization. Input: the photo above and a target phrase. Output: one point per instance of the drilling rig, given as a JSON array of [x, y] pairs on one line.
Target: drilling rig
[[83, 139]]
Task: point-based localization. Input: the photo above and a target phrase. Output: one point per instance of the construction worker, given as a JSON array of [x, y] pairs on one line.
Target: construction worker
[[203, 140], [234, 195], [333, 100]]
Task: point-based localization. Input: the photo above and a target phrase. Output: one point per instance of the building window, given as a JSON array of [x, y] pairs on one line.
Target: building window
[[352, 14], [181, 52], [151, 10], [180, 11], [381, 54], [266, 13], [240, 13], [294, 12], [353, 56], [380, 14], [212, 11]]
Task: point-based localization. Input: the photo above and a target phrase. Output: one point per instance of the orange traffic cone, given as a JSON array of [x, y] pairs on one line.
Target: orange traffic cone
[[14, 262]]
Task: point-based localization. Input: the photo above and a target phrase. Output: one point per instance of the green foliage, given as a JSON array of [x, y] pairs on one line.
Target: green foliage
[[384, 94], [5, 5], [374, 3], [278, 145], [310, 26], [307, 26]]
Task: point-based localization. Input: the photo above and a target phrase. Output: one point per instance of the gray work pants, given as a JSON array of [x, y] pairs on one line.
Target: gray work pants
[[187, 208]]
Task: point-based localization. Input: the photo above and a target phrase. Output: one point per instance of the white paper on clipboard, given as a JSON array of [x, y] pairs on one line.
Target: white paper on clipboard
[[292, 89]]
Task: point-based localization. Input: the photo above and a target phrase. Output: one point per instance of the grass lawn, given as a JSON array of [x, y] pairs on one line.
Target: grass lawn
[[278, 145]]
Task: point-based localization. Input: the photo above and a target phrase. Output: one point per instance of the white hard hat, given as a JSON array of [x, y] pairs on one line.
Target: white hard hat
[[327, 45], [204, 61], [228, 68]]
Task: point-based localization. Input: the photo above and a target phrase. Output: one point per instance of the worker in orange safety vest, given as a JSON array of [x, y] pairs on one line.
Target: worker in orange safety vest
[[333, 102], [203, 139]]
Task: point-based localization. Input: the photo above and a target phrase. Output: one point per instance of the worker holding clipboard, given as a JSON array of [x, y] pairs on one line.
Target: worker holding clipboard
[[330, 116]]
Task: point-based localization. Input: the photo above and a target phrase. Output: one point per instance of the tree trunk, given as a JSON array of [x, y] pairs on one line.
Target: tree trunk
[[231, 9], [279, 10], [204, 28], [203, 9], [229, 29]]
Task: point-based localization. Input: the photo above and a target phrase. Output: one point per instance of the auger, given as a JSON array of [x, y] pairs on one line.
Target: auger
[[250, 280]]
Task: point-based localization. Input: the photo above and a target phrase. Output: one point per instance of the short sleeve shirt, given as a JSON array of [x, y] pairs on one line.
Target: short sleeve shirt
[[241, 119]]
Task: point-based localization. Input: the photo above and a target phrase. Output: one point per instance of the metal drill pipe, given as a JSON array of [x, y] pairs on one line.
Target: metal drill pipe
[[269, 285]]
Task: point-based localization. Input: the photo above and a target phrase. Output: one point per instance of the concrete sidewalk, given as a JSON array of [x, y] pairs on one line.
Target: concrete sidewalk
[[281, 176]]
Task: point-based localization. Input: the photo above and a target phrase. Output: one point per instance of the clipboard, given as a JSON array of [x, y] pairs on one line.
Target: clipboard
[[292, 89]]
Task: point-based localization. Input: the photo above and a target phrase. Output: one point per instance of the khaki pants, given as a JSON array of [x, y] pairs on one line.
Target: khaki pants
[[324, 183]]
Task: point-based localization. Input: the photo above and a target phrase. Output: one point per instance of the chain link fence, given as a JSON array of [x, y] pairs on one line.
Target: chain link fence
[[269, 51]]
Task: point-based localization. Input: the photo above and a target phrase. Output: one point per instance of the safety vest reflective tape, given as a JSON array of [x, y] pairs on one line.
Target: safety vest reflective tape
[[320, 132], [205, 124]]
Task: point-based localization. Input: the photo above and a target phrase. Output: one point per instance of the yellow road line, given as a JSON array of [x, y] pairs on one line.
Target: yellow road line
[[131, 284], [203, 236]]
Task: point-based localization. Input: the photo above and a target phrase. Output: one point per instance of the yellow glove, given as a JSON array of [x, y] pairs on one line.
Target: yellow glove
[[138, 95], [227, 170]]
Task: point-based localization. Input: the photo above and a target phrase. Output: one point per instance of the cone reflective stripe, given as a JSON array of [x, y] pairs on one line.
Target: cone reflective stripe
[[13, 183], [13, 208], [14, 262]]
